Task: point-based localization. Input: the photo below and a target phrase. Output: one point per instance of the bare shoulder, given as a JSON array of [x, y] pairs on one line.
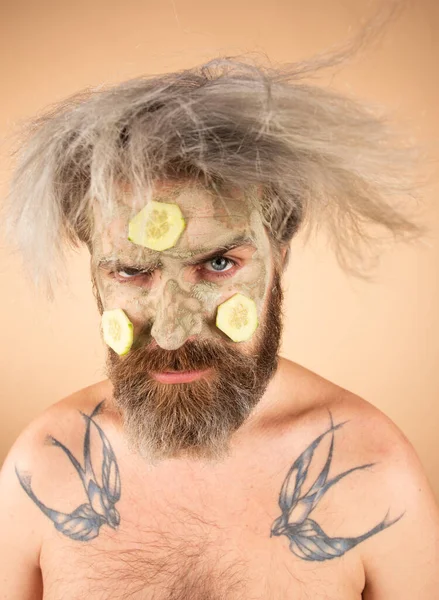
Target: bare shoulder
[[366, 486], [310, 399], [362, 432], [82, 400], [37, 481], [60, 420], [401, 557], [55, 415], [31, 462]]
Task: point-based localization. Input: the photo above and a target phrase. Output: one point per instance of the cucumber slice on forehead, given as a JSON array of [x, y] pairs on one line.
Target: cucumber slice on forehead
[[117, 330], [158, 226], [237, 317]]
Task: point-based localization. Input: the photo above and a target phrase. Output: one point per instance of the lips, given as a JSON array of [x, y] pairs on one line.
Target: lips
[[179, 376]]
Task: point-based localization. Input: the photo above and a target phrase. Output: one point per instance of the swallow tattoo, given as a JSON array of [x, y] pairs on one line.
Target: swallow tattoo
[[307, 539], [84, 522]]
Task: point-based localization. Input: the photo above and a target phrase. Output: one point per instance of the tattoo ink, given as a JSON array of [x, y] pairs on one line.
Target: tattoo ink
[[307, 539], [84, 522]]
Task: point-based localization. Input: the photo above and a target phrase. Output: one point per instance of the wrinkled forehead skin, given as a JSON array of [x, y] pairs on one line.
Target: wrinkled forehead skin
[[179, 305]]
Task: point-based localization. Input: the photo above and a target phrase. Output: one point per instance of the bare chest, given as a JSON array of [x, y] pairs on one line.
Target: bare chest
[[214, 547], [271, 523]]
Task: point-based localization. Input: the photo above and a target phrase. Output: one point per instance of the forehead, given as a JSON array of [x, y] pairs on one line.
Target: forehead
[[211, 218]]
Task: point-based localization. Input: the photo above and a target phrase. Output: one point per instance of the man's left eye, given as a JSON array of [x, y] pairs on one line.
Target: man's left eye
[[220, 261]]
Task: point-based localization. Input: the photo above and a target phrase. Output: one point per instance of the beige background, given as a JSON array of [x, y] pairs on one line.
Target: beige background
[[379, 340]]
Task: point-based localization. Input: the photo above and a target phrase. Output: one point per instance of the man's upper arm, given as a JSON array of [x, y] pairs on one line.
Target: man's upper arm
[[20, 576], [402, 563]]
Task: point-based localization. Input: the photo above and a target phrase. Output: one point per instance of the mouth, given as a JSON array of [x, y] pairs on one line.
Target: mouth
[[179, 376]]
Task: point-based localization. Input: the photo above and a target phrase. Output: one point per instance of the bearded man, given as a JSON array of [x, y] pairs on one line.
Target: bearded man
[[206, 466]]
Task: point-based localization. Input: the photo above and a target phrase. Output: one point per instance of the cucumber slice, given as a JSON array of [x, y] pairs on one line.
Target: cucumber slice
[[237, 317], [117, 330], [157, 226]]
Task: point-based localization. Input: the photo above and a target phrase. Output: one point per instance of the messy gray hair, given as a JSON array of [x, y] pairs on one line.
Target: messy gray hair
[[318, 156]]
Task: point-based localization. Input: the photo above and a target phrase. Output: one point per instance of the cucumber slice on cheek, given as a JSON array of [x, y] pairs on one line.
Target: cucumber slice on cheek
[[237, 317], [117, 330]]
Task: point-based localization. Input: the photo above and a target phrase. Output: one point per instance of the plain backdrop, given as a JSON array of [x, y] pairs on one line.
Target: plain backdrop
[[378, 339]]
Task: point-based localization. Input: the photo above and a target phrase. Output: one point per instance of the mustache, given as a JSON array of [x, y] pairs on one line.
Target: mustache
[[193, 355]]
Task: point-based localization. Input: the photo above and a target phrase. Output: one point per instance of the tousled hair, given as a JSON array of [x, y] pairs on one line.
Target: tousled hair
[[319, 157]]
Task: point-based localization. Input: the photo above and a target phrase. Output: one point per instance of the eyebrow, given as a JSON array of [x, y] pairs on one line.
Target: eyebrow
[[201, 254]]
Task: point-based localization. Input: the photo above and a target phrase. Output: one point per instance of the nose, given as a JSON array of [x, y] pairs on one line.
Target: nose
[[178, 317]]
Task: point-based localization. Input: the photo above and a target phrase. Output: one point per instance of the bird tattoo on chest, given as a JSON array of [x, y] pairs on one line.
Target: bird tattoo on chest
[[84, 522], [307, 539]]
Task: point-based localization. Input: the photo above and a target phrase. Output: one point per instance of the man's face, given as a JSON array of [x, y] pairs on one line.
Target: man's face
[[173, 307]]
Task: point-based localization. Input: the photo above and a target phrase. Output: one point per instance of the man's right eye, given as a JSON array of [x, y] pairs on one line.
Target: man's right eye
[[129, 273]]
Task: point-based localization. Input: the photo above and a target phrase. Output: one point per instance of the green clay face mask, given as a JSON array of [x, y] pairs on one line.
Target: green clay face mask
[[148, 276], [198, 290]]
